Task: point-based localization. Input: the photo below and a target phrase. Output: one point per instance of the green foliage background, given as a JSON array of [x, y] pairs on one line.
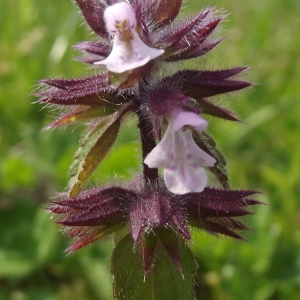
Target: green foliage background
[[263, 154]]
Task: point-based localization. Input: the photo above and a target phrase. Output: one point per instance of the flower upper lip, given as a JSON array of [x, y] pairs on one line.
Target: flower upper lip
[[124, 31]]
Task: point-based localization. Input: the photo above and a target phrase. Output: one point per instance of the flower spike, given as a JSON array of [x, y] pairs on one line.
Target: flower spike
[[152, 215]]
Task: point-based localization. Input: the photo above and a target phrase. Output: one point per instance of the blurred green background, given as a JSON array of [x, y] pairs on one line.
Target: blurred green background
[[263, 154]]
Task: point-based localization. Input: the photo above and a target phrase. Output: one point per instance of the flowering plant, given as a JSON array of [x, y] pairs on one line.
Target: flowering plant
[[152, 215]]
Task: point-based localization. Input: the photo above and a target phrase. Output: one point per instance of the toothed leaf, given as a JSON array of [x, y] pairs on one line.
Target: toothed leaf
[[129, 281], [207, 143], [93, 149]]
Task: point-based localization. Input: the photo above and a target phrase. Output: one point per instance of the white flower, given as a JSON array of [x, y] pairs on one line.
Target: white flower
[[129, 51], [180, 156]]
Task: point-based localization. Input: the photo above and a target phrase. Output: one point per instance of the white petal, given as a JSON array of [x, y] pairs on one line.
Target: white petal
[[179, 118], [162, 154], [127, 56], [182, 161], [180, 156], [200, 157], [186, 174], [129, 51], [185, 180]]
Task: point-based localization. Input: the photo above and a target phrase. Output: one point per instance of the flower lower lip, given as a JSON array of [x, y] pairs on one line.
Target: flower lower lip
[[126, 35]]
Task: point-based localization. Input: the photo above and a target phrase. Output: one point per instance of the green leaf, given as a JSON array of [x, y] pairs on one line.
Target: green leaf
[[207, 143], [94, 148], [164, 280]]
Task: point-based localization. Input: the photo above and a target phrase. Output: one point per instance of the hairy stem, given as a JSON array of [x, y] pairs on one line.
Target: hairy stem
[[147, 139]]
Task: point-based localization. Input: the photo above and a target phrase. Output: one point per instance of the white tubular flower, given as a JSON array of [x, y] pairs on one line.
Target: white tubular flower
[[129, 51], [180, 156]]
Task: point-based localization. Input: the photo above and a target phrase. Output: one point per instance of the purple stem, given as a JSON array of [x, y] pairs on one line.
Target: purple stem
[[147, 137]]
